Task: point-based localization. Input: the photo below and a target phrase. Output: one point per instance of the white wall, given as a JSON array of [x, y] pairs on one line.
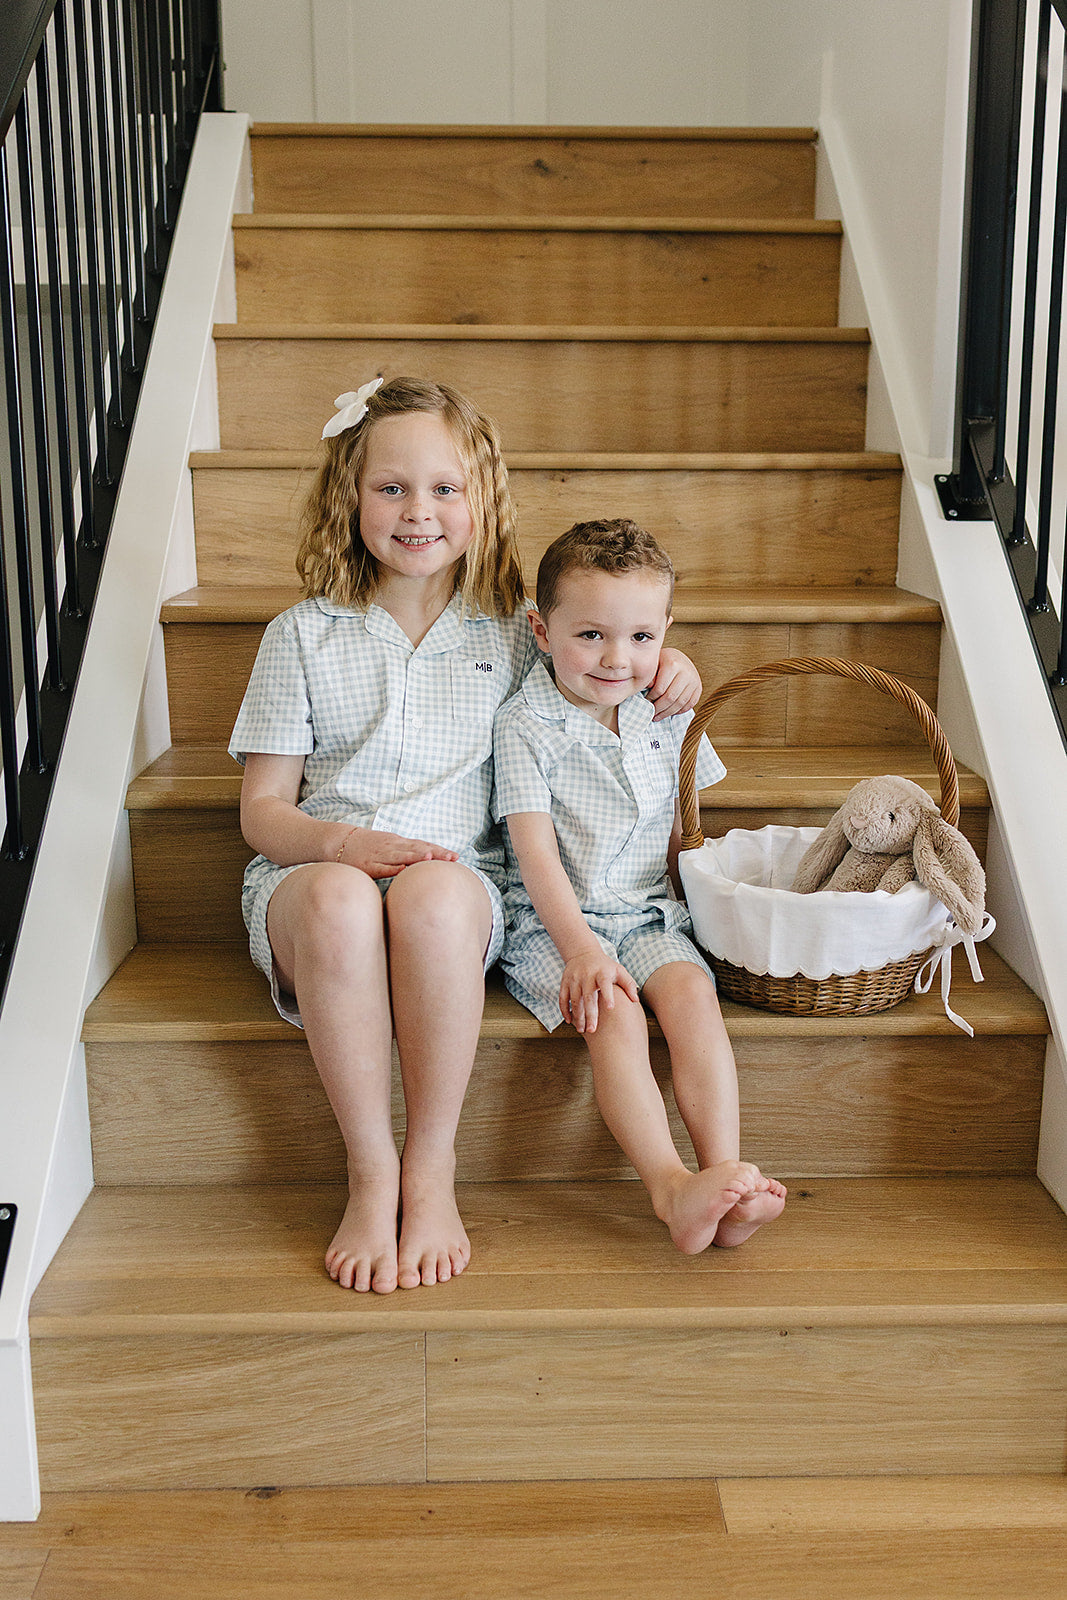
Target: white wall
[[565, 62]]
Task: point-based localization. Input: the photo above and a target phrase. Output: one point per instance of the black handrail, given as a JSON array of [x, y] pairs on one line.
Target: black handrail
[[1012, 46], [100, 100]]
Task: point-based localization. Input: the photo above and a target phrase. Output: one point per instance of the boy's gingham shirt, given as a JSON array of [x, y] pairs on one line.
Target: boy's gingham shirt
[[396, 736], [610, 797]]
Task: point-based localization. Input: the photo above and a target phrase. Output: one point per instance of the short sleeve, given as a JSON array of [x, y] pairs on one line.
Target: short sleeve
[[519, 783], [275, 716], [709, 767]]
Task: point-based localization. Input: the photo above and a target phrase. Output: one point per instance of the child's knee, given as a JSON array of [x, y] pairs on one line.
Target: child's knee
[[440, 898], [332, 904]]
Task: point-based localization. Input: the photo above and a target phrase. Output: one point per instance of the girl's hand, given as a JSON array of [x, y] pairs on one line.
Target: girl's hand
[[676, 686], [585, 980], [383, 855]]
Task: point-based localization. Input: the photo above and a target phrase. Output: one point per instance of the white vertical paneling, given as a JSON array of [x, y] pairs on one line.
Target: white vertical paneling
[[267, 50], [417, 61], [529, 61], [620, 62]]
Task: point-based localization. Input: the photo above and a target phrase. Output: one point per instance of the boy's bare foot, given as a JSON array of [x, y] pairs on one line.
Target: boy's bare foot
[[696, 1202], [763, 1205], [363, 1253], [433, 1241]]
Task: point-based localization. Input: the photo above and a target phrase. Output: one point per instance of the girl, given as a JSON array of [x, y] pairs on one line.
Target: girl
[[374, 905]]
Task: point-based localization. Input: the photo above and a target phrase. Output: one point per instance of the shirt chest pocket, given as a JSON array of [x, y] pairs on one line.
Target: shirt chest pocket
[[477, 689], [655, 782]]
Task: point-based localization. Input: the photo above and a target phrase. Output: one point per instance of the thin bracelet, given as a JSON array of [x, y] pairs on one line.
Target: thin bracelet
[[344, 843]]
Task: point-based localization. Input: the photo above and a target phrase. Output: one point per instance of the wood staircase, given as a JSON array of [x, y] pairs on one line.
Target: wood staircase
[[644, 353]]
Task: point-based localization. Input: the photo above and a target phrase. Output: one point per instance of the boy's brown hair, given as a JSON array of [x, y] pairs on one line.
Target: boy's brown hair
[[334, 563], [612, 546]]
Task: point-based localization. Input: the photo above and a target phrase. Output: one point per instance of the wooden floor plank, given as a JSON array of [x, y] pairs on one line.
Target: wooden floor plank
[[635, 1566], [247, 1520], [781, 1507], [19, 1571]]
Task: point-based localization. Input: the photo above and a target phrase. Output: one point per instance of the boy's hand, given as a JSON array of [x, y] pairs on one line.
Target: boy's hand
[[676, 686], [586, 979], [383, 855]]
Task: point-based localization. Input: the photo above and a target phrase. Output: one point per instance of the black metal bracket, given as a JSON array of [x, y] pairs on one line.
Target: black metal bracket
[[8, 1214], [954, 507]]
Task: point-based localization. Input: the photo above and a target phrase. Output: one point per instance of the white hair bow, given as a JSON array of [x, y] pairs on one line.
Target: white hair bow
[[350, 408]]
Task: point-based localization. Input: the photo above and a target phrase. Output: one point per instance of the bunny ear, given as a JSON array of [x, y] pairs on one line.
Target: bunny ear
[[949, 868], [822, 855]]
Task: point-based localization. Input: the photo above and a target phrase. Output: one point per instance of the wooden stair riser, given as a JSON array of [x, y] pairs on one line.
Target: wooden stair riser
[[188, 864], [189, 1411], [204, 1112], [728, 527], [208, 665], [548, 394], [624, 277], [537, 173]]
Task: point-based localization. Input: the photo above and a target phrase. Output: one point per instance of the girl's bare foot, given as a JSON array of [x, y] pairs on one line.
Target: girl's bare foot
[[433, 1241], [363, 1252], [750, 1213], [696, 1202]]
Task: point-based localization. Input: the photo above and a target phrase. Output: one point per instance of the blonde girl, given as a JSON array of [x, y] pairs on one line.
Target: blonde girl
[[374, 905]]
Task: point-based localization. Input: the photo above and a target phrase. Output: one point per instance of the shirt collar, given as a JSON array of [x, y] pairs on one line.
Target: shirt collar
[[445, 634], [545, 700]]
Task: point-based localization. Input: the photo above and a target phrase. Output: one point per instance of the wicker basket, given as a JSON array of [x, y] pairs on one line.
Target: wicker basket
[[858, 993]]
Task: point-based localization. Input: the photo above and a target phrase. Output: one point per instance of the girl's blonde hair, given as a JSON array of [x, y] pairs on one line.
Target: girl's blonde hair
[[335, 564]]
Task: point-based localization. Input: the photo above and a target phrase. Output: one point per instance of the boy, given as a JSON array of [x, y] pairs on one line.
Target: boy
[[589, 790]]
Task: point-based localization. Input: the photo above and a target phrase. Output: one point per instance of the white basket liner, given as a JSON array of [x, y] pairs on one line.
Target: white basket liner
[[744, 912]]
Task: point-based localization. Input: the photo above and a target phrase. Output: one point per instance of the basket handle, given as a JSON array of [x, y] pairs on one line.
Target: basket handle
[[822, 666]]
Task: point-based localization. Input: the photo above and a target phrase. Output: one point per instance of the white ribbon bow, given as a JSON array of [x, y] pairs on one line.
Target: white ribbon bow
[[350, 408], [941, 956]]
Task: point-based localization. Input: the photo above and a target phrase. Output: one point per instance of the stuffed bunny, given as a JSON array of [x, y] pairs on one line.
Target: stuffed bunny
[[888, 832]]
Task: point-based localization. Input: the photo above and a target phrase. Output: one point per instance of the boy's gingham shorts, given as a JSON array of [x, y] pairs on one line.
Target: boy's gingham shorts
[[533, 967]]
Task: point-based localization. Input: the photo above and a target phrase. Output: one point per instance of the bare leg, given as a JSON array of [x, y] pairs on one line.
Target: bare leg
[[326, 931], [692, 1204], [704, 1074], [439, 921]]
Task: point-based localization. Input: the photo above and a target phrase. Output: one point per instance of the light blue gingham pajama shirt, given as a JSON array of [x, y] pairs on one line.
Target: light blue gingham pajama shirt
[[611, 799], [396, 736]]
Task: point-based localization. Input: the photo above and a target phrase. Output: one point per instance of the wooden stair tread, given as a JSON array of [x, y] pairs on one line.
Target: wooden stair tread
[[206, 777], [603, 461], [846, 1253], [569, 333], [518, 222], [693, 603], [510, 131], [185, 992]]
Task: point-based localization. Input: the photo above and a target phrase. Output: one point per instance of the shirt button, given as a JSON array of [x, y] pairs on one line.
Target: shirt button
[[409, 788], [416, 723]]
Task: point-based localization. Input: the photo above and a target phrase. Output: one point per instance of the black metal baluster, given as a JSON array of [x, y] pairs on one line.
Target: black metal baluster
[[155, 100], [14, 845], [17, 465], [64, 80], [138, 217], [166, 80], [60, 396], [104, 470], [105, 172], [1039, 598], [124, 225], [38, 396], [146, 131], [1017, 535]]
